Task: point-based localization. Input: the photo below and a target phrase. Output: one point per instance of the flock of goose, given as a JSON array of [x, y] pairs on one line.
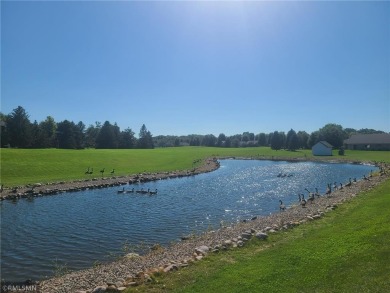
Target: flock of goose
[[312, 195], [141, 191]]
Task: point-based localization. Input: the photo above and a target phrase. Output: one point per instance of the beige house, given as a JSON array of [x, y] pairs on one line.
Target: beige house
[[374, 142]]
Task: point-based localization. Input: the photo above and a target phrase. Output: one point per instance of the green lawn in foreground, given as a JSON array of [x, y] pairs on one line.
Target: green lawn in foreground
[[346, 251], [24, 166]]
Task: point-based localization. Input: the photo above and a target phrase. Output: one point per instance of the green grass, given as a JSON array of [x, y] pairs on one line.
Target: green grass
[[346, 251], [24, 166]]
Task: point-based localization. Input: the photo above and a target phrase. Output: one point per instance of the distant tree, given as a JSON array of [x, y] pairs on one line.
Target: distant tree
[[313, 139], [228, 142], [245, 137], [194, 140], [369, 131], [262, 140], [292, 142], [277, 141], [221, 140], [350, 131], [4, 131], [145, 140], [19, 128], [48, 132], [333, 134], [91, 134], [209, 140], [177, 142], [36, 136], [66, 135], [235, 142], [79, 133], [107, 137], [127, 139], [303, 137]]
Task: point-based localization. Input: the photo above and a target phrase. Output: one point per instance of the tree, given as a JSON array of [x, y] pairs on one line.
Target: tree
[[65, 135], [107, 137], [313, 139], [145, 138], [209, 140], [127, 139], [221, 140], [303, 137], [48, 132], [262, 141], [4, 131], [333, 134], [276, 140], [19, 128], [292, 142], [91, 135]]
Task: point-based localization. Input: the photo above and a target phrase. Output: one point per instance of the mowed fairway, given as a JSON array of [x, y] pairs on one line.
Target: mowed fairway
[[24, 166]]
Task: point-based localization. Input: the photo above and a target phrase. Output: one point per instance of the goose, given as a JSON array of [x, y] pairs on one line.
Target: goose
[[349, 183], [87, 172], [317, 193], [113, 171], [153, 192], [328, 190], [303, 201], [341, 186], [311, 195], [282, 207], [122, 191], [131, 191], [140, 191]]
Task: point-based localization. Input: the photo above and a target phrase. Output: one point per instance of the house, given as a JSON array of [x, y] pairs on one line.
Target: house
[[375, 142], [322, 148]]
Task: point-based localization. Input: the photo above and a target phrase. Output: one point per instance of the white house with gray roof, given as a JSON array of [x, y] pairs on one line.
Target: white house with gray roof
[[322, 148]]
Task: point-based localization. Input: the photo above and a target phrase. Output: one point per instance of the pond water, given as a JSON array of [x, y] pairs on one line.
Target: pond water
[[74, 230]]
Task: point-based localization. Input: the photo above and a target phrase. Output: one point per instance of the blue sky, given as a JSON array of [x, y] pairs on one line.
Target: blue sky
[[199, 67]]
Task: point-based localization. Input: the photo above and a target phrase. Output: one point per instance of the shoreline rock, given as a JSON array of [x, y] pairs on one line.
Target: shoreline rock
[[40, 189]]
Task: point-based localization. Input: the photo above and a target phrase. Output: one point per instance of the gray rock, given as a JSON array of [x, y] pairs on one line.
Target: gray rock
[[99, 289], [202, 250], [228, 242], [261, 236], [246, 236]]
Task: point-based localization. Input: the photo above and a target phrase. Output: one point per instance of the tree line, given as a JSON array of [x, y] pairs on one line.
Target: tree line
[[18, 131]]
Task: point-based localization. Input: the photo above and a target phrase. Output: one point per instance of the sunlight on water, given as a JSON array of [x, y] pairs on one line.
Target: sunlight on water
[[78, 229]]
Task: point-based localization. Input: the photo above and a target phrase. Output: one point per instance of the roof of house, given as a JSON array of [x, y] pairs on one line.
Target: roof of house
[[325, 143], [377, 138]]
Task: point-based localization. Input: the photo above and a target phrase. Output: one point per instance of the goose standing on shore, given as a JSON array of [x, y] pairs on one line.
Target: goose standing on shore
[[302, 200], [282, 207]]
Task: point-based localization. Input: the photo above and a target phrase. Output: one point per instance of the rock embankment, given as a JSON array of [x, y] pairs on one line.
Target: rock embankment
[[133, 269], [40, 189]]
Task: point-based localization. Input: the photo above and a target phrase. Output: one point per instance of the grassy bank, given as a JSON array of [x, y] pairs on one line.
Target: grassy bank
[[345, 251], [24, 166]]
